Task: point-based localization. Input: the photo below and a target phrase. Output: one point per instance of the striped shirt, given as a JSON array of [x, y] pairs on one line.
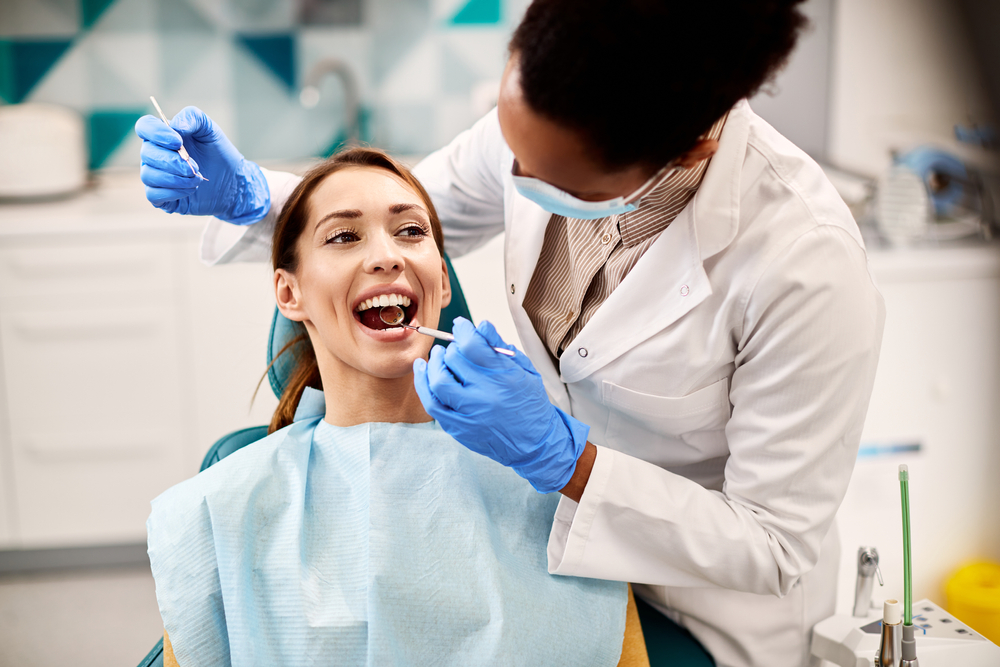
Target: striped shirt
[[583, 261]]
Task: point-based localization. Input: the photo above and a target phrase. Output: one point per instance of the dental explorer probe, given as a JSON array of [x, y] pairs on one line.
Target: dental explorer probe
[[393, 316], [183, 151]]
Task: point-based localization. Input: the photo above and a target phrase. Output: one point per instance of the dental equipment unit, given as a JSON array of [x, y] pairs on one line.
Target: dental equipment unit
[[183, 151], [393, 316], [890, 639]]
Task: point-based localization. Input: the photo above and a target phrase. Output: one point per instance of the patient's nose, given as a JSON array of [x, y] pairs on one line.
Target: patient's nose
[[383, 255]]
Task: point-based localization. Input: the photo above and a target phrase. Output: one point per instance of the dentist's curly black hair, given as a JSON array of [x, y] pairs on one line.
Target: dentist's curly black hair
[[641, 80]]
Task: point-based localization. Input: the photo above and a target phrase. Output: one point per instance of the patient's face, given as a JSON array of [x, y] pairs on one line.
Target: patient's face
[[368, 237]]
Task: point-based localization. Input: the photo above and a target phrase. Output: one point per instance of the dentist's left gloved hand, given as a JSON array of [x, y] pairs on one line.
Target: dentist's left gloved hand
[[497, 406], [235, 191]]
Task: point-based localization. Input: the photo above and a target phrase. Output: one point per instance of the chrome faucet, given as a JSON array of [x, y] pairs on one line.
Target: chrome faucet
[[309, 96], [867, 571]]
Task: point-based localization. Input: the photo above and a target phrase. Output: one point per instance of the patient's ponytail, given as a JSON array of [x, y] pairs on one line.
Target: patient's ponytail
[[287, 230]]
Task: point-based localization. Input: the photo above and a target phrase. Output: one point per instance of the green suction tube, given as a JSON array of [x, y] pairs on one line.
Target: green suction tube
[[904, 490]]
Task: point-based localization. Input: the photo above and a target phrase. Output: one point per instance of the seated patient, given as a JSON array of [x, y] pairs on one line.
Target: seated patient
[[358, 532]]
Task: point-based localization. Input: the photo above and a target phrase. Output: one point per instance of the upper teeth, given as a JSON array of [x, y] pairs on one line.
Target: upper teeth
[[384, 300]]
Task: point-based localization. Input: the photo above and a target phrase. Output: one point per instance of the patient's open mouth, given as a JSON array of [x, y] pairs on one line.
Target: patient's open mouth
[[368, 310]]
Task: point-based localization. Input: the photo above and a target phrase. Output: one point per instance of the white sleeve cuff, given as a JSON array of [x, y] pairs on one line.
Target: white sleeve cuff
[[572, 522], [223, 242]]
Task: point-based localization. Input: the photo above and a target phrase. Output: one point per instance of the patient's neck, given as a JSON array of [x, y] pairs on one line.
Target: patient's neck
[[357, 398]]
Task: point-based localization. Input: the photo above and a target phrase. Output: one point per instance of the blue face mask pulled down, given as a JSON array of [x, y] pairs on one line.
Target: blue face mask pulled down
[[554, 200], [368, 546]]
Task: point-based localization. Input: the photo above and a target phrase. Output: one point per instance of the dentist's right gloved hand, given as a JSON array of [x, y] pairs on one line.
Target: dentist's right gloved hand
[[236, 190], [497, 406]]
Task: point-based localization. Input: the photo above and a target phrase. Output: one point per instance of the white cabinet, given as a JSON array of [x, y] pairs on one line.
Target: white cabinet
[[123, 359]]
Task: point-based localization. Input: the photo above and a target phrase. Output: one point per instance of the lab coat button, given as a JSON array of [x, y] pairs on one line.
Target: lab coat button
[[512, 288], [583, 351], [685, 290]]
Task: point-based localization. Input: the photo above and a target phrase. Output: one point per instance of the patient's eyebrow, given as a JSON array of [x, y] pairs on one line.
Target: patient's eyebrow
[[400, 208], [348, 214]]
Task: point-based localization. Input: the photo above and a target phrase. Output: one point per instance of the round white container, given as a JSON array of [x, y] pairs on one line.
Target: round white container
[[43, 151]]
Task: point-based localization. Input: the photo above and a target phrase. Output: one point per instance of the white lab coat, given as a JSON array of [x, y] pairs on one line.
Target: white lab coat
[[725, 382]]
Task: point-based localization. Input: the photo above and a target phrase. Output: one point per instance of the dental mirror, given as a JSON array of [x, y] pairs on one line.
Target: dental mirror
[[391, 315]]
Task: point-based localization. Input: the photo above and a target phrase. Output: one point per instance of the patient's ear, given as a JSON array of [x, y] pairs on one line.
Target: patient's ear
[[445, 285], [287, 296]]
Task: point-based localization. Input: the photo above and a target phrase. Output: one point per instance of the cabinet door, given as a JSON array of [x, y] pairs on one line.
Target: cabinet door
[[98, 424]]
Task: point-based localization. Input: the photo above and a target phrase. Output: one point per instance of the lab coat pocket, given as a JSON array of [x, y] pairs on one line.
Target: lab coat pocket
[[666, 430]]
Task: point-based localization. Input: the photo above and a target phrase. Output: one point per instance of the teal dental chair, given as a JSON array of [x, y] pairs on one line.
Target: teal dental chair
[[667, 643]]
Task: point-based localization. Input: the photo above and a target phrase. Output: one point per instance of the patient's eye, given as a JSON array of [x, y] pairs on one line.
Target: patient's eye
[[342, 236], [413, 230]]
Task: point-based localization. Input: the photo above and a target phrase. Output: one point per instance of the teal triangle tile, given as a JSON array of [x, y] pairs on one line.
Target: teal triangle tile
[[91, 10], [277, 52], [23, 63], [108, 128], [478, 12]]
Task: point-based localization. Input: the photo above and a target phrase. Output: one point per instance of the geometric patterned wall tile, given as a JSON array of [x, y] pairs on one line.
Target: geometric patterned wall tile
[[184, 16], [91, 11], [482, 50], [118, 81], [330, 12], [261, 15], [395, 27], [108, 127], [478, 12], [129, 16], [39, 18], [415, 76], [276, 52], [25, 62], [405, 128], [457, 76], [68, 82], [195, 65]]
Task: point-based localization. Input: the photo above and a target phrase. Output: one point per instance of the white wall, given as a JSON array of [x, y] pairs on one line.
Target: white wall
[[902, 74]]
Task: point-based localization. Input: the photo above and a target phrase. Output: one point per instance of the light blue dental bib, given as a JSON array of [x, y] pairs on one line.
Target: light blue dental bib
[[378, 544]]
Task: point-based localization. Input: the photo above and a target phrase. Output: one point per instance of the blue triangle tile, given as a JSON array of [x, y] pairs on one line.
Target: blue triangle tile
[[23, 63], [107, 131], [478, 12], [276, 52], [91, 11]]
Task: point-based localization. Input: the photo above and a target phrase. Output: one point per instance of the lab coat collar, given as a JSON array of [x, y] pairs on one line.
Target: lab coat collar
[[716, 205]]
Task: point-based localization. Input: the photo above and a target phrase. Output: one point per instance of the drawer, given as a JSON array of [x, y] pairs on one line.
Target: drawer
[[84, 272]]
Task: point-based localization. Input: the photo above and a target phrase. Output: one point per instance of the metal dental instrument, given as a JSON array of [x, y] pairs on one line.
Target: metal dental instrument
[[183, 151], [867, 571], [393, 316]]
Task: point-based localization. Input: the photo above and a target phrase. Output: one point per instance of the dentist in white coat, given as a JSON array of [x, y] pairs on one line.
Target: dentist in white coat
[[687, 284]]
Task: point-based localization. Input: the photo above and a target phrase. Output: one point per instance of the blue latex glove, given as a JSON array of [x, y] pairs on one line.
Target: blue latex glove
[[497, 406], [235, 191]]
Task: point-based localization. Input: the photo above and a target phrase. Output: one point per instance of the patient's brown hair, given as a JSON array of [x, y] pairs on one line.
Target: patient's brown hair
[[287, 230]]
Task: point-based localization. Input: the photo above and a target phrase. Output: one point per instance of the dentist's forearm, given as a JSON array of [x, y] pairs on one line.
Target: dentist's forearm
[[581, 475]]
